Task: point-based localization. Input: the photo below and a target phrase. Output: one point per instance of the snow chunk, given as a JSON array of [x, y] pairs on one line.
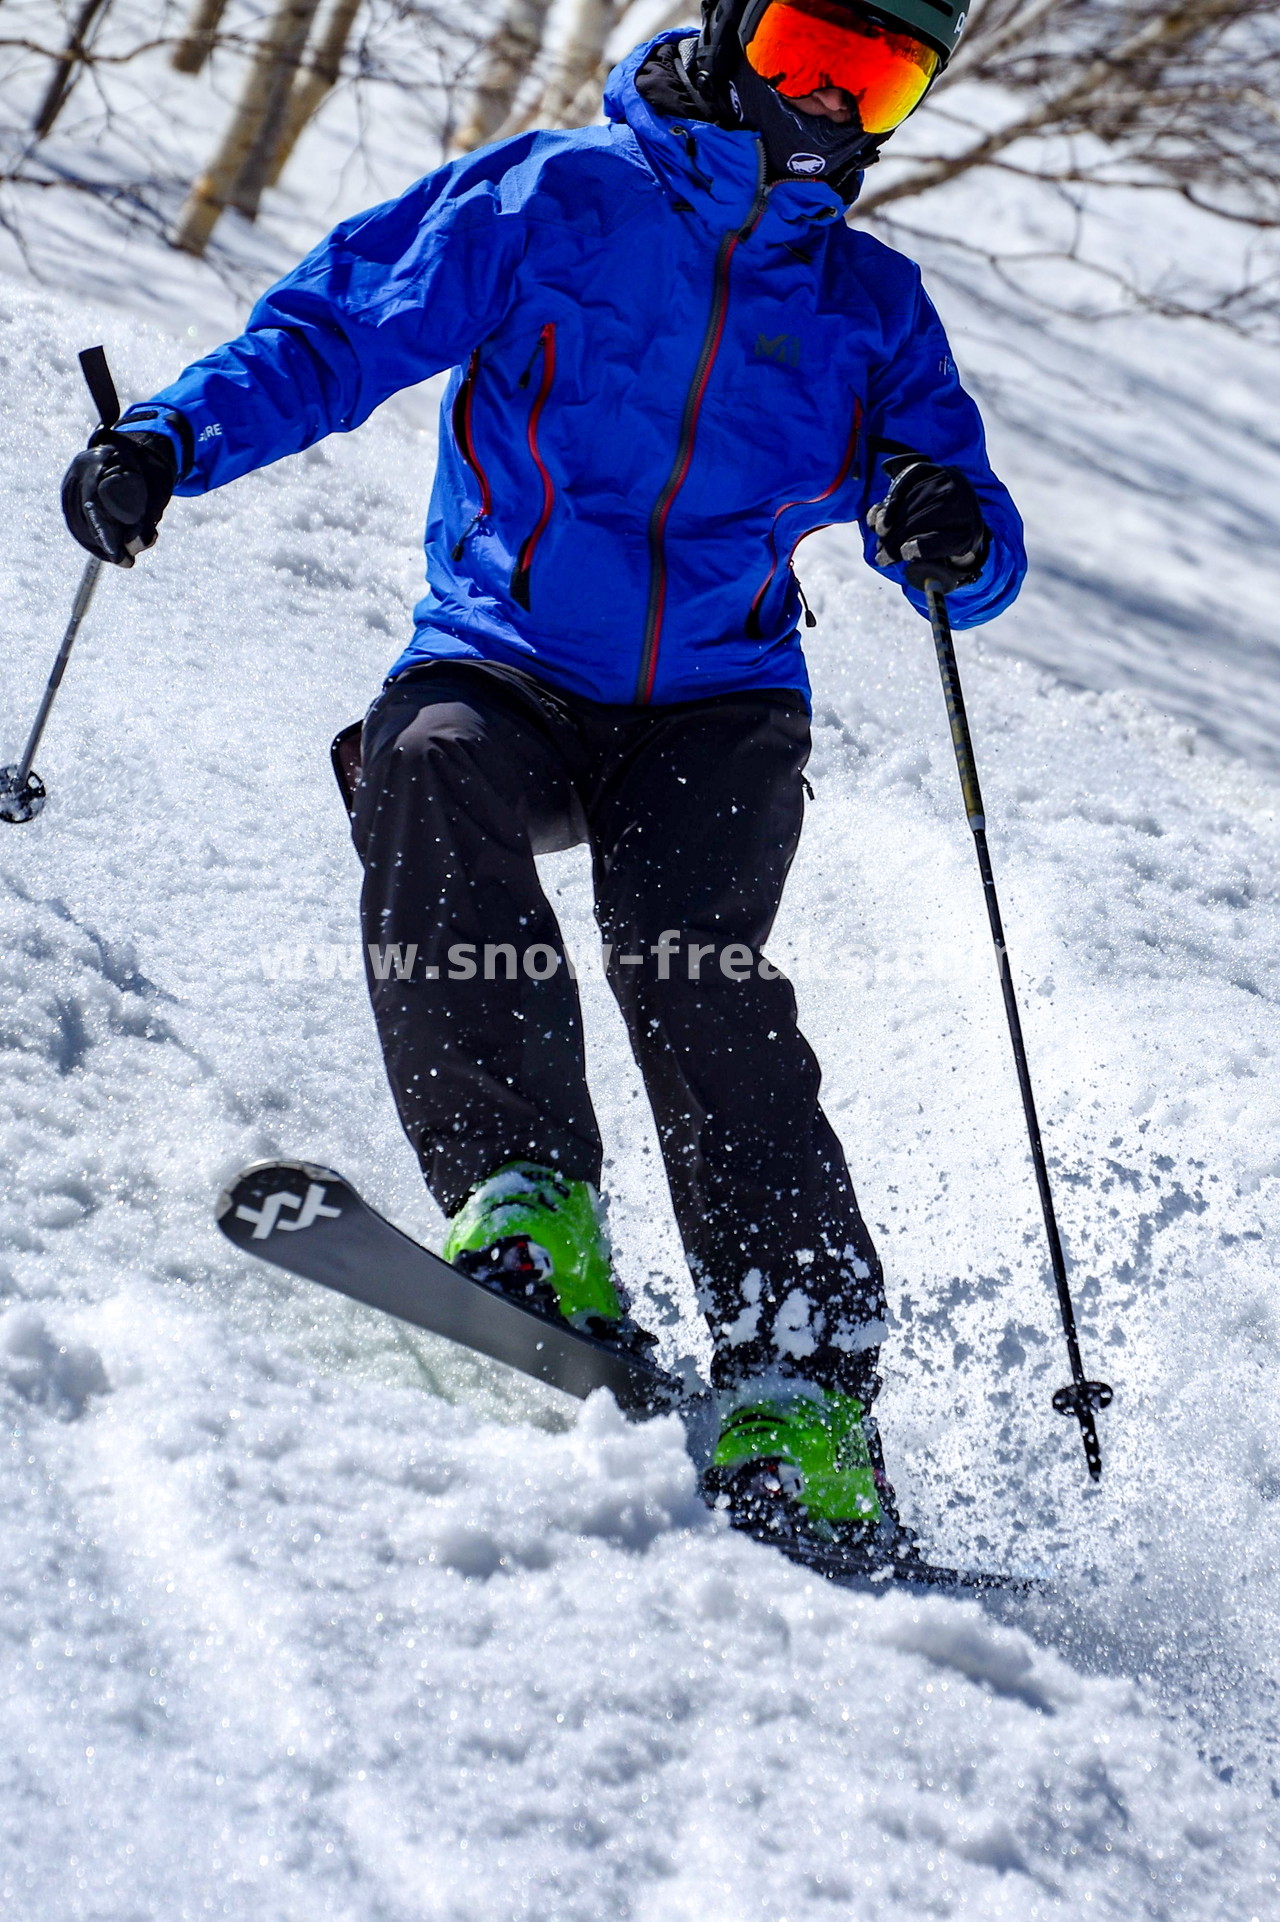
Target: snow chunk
[[793, 1330], [746, 1326], [58, 1376], [1006, 1661]]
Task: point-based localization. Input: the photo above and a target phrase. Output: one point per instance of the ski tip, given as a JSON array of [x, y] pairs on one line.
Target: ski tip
[[271, 1194], [259, 1171]]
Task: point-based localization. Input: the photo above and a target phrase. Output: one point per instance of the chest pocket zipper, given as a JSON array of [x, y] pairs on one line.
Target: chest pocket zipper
[[528, 547], [462, 433]]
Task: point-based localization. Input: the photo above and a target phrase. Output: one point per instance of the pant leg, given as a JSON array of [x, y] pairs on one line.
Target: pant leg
[[694, 829], [463, 779]]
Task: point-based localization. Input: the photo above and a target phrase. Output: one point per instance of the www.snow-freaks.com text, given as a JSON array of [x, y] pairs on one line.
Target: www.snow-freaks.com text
[[673, 956]]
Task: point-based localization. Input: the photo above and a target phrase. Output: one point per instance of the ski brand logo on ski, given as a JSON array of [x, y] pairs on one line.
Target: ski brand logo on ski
[[311, 1207]]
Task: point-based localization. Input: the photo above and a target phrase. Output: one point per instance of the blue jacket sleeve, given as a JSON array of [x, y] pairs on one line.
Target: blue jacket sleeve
[[391, 297], [917, 405]]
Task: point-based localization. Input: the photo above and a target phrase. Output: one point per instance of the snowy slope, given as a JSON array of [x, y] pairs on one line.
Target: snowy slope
[[309, 1616]]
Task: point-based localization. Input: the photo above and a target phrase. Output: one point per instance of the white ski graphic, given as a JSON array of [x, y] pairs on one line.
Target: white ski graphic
[[268, 1216]]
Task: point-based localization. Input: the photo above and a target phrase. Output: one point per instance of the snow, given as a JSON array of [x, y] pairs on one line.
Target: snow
[[306, 1614]]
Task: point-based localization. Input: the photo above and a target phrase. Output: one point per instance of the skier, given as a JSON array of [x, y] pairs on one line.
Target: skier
[[672, 359]]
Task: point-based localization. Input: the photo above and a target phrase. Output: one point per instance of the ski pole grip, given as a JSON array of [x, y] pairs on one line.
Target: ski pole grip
[[93, 365]]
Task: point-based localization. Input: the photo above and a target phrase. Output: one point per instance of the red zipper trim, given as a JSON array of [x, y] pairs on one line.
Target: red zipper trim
[[684, 447], [679, 472], [462, 429], [524, 559], [753, 616]]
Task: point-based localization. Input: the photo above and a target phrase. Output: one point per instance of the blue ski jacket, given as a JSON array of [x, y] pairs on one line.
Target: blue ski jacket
[[666, 374]]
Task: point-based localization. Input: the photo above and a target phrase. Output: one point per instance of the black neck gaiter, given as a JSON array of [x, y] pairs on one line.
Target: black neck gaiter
[[800, 146], [797, 146]]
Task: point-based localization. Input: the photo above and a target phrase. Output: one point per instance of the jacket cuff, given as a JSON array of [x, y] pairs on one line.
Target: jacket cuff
[[966, 604], [167, 421]]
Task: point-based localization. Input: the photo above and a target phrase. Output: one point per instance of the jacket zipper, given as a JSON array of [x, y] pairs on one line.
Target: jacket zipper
[[524, 559], [684, 448], [462, 434], [753, 616]]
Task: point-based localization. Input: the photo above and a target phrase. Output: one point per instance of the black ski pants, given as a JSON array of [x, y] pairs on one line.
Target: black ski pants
[[692, 813]]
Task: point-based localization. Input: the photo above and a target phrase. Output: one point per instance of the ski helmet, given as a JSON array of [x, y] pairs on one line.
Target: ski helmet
[[895, 50]]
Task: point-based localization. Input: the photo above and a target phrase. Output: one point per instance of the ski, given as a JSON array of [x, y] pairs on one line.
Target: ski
[[904, 1567], [310, 1221]]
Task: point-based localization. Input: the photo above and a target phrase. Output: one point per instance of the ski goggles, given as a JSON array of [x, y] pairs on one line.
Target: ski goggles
[[800, 46]]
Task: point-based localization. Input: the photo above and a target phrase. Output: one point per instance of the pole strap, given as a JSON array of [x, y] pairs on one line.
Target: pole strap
[[93, 365]]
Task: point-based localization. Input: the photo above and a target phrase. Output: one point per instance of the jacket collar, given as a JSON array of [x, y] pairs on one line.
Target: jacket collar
[[715, 171]]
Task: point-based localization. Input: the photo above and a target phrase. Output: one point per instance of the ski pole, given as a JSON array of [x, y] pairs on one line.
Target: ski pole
[[22, 792], [1080, 1398]]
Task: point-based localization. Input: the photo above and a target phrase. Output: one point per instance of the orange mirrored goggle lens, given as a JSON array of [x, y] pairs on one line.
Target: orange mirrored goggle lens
[[800, 46]]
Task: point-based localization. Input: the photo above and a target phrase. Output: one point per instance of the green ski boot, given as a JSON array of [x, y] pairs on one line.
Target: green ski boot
[[540, 1239], [804, 1466]]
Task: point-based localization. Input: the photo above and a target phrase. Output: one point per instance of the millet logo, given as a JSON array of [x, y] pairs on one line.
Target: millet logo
[[784, 348]]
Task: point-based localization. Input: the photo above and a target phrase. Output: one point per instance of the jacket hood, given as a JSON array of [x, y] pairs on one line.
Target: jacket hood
[[718, 172]]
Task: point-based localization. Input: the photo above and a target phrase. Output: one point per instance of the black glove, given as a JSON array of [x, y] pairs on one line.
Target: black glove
[[930, 514], [114, 493]]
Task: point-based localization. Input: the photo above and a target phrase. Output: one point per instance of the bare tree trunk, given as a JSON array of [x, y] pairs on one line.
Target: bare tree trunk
[[316, 80], [507, 59], [196, 43], [239, 170], [64, 72], [256, 170], [572, 95], [576, 67]]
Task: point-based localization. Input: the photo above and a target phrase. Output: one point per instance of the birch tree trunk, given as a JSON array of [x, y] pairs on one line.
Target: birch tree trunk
[[577, 64], [507, 59], [572, 94], [255, 170], [239, 170], [196, 43], [316, 80]]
